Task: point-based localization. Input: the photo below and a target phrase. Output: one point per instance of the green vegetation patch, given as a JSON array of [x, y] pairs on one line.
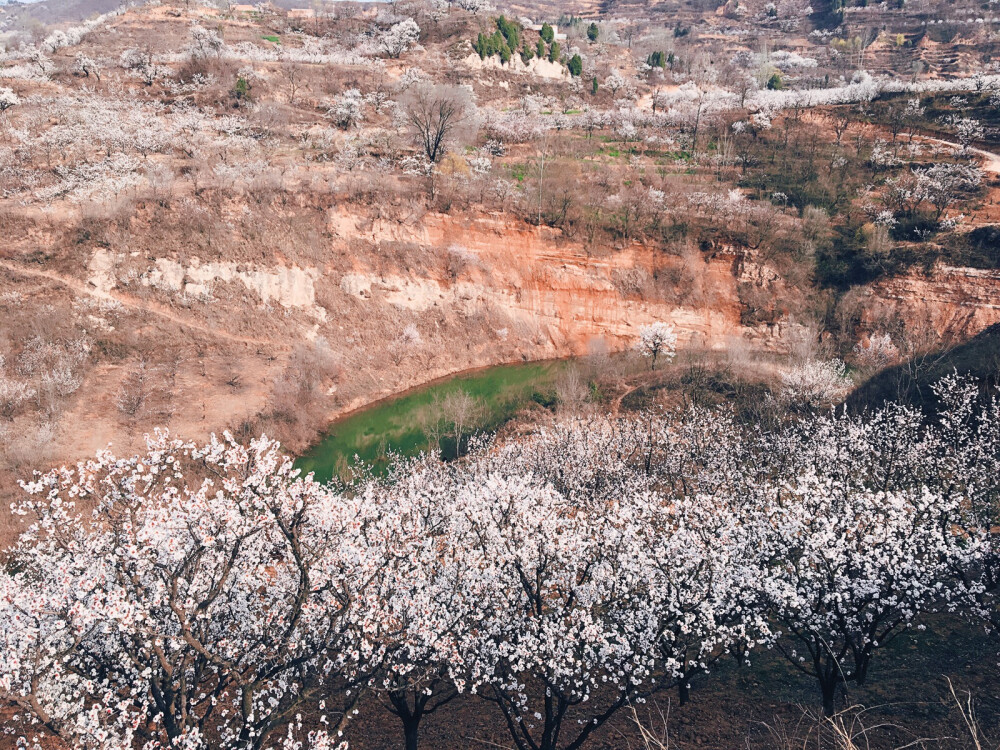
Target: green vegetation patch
[[400, 425]]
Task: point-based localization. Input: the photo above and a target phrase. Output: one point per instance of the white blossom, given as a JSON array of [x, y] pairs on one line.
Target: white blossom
[[657, 340]]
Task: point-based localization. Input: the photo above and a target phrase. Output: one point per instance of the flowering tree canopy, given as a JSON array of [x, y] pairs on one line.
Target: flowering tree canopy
[[210, 591], [209, 596], [657, 340]]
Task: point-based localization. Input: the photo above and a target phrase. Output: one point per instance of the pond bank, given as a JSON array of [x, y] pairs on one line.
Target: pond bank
[[409, 422]]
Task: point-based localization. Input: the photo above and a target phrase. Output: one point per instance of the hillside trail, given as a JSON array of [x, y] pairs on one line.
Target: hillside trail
[[992, 161], [616, 405], [153, 308]]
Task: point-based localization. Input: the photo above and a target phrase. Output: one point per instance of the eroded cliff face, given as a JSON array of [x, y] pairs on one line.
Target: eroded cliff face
[[538, 281], [387, 304], [350, 308], [949, 303]]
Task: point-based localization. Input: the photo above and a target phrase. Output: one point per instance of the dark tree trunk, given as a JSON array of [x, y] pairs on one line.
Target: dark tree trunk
[[422, 704], [410, 730], [409, 716], [829, 688], [684, 691]]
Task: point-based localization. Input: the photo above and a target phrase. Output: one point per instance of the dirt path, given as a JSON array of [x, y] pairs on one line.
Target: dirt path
[[616, 405], [136, 303], [992, 161]]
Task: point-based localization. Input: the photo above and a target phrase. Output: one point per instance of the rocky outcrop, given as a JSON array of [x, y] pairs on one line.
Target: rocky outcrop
[[288, 286], [955, 303], [535, 277]]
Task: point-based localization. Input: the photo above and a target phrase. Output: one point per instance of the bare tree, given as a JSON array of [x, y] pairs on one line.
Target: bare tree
[[462, 411], [842, 120], [543, 152], [572, 389], [293, 77], [434, 111], [134, 391], [432, 424]]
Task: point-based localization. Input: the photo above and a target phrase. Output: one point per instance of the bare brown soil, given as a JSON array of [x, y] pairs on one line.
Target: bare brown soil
[[769, 706]]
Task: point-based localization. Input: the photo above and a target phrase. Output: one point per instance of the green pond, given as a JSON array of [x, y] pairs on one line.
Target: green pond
[[408, 423]]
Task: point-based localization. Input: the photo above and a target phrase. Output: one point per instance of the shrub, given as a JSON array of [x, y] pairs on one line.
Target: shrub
[[511, 31]]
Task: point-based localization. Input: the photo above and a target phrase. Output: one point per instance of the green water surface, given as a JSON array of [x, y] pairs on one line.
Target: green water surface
[[397, 425]]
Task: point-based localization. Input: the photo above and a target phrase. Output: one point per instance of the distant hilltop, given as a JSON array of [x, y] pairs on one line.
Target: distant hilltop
[[25, 12]]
